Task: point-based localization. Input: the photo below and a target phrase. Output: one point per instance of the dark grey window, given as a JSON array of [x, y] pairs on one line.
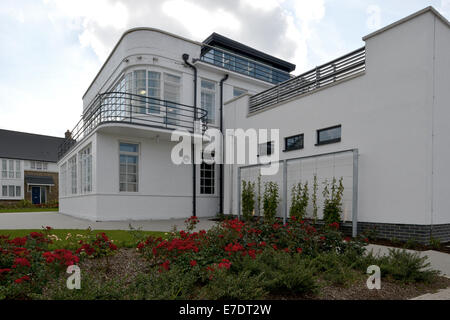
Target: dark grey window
[[294, 142], [266, 149], [329, 135]]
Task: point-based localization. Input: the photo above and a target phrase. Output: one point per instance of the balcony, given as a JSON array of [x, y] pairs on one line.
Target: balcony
[[126, 108], [245, 66], [345, 67]]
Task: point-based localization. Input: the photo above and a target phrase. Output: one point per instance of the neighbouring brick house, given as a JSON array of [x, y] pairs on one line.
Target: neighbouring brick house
[[28, 169]]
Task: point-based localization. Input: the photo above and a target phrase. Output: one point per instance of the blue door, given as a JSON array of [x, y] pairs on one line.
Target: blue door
[[36, 195]]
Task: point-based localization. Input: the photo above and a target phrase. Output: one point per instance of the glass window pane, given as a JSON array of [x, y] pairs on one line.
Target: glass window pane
[[329, 135], [128, 147], [4, 191], [11, 191]]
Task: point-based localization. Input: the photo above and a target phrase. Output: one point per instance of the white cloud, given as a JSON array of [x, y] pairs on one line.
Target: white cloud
[[194, 18], [445, 8], [373, 21], [90, 17], [264, 5]]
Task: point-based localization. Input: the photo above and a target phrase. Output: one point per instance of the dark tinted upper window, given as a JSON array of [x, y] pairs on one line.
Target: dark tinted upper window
[[294, 143], [329, 135]]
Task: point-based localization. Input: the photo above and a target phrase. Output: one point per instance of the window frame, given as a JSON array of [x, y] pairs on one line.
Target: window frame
[[18, 169], [85, 163], [214, 100], [138, 156], [4, 191], [13, 189], [11, 170], [4, 169], [212, 169], [146, 107], [331, 141], [72, 163], [301, 135], [267, 154]]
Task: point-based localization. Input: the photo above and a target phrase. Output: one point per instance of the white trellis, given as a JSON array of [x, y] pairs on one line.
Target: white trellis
[[292, 171]]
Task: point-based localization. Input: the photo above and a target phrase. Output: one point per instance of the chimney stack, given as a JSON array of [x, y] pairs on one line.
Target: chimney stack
[[68, 134]]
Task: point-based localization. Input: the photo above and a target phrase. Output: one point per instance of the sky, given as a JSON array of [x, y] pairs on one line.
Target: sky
[[50, 50]]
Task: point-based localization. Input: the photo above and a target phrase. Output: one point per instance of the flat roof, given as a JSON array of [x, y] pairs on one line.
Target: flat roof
[[221, 41]]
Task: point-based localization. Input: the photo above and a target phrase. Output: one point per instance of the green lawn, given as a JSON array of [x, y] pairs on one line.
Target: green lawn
[[69, 238], [12, 210]]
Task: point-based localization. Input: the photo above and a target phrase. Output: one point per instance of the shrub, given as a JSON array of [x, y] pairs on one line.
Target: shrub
[[26, 264], [248, 200], [435, 243], [407, 267], [271, 199], [282, 273], [92, 288], [97, 247], [170, 285], [411, 243], [227, 286], [299, 202], [332, 207], [314, 198], [334, 267]]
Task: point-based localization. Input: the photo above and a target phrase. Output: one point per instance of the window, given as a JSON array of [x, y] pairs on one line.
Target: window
[[208, 99], [128, 171], [18, 169], [73, 174], [140, 88], [18, 191], [294, 143], [4, 191], [329, 135], [63, 180], [38, 165], [86, 170], [172, 88], [266, 149], [154, 91], [11, 169], [11, 190], [207, 177], [4, 169], [237, 92]]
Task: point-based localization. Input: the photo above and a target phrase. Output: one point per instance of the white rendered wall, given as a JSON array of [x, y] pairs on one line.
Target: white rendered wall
[[441, 122], [385, 113], [165, 190]]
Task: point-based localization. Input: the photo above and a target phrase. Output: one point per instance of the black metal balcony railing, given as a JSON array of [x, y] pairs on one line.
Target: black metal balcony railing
[[336, 70], [120, 107], [242, 65]]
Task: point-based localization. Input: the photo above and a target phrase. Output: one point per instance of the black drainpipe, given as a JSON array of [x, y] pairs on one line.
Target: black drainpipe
[[194, 167], [221, 130]]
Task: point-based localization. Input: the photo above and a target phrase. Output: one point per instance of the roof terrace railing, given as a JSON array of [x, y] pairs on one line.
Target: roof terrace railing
[[120, 107], [342, 68], [245, 66]]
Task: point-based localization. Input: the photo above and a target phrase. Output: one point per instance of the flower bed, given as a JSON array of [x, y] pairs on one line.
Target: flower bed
[[233, 239], [27, 263], [233, 260]]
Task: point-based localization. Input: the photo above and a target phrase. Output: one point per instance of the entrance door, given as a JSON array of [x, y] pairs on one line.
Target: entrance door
[[36, 195]]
